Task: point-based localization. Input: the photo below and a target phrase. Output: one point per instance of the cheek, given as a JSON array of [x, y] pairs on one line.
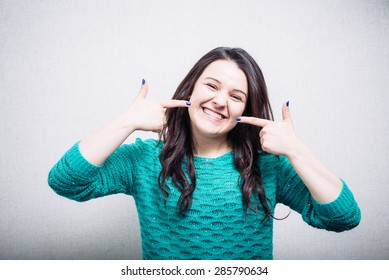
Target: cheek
[[193, 109], [237, 109], [200, 97], [190, 110]]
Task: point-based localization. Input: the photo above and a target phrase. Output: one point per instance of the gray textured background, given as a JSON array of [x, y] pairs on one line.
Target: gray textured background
[[68, 67]]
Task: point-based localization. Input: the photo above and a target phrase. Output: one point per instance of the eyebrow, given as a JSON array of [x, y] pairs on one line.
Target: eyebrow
[[235, 89]]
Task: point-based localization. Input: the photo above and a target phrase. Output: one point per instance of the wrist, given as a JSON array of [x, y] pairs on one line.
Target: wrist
[[297, 150], [123, 122]]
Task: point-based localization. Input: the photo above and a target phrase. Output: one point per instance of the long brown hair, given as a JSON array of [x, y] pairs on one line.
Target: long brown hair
[[179, 143]]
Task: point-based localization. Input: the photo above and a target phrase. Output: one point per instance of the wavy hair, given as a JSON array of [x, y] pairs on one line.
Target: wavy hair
[[179, 144]]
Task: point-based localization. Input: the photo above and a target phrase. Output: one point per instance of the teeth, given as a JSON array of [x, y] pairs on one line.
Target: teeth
[[213, 114]]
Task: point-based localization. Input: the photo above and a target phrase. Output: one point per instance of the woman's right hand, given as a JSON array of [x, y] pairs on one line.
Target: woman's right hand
[[149, 115], [143, 114]]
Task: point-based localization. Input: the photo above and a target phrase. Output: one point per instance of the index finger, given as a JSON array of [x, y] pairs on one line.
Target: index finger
[[174, 103], [254, 121]]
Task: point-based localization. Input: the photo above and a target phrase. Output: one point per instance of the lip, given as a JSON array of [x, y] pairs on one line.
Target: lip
[[205, 109]]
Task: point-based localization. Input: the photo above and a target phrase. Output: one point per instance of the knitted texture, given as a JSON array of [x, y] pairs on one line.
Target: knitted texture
[[216, 226]]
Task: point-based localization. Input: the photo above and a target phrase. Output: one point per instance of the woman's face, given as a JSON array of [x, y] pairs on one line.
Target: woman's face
[[218, 98]]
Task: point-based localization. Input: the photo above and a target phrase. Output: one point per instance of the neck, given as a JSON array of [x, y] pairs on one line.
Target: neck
[[210, 147]]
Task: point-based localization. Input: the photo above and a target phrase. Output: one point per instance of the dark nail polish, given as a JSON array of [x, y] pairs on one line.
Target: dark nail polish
[[143, 81], [188, 103], [287, 104], [238, 119]]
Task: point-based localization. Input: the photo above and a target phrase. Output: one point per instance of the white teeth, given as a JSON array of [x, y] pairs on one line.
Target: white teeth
[[213, 114]]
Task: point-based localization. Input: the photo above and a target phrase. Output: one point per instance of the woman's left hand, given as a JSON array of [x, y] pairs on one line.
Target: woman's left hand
[[277, 137]]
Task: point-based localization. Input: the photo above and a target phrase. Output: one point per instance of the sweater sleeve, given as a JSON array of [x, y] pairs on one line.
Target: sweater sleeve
[[339, 215], [76, 178]]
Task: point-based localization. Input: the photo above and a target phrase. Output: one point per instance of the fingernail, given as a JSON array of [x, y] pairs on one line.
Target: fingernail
[[238, 119], [287, 104], [143, 81], [188, 103]]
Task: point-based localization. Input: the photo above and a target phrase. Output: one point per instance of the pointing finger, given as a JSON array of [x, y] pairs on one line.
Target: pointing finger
[[254, 121], [173, 103]]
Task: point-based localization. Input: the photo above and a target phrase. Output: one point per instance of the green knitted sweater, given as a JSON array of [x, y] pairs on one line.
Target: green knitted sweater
[[216, 226]]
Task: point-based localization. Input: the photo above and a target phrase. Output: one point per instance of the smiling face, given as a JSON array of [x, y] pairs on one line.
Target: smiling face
[[218, 98]]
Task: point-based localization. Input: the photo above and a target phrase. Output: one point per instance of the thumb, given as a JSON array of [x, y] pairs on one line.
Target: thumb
[[286, 112], [143, 90]]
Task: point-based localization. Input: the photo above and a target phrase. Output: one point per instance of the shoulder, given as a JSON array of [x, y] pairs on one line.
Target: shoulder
[[143, 145], [266, 160], [273, 165], [149, 144], [147, 147], [138, 150]]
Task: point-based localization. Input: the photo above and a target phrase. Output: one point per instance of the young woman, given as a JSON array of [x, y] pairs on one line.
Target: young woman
[[208, 188]]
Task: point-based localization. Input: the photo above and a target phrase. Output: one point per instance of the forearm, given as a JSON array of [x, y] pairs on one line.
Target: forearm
[[98, 146], [323, 184]]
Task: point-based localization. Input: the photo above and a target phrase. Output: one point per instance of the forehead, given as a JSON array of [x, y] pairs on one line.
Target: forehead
[[226, 71]]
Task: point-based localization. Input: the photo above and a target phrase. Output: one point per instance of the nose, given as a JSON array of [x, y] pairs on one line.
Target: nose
[[220, 99]]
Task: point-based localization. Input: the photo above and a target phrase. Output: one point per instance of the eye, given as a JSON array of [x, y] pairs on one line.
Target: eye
[[236, 97], [212, 86]]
